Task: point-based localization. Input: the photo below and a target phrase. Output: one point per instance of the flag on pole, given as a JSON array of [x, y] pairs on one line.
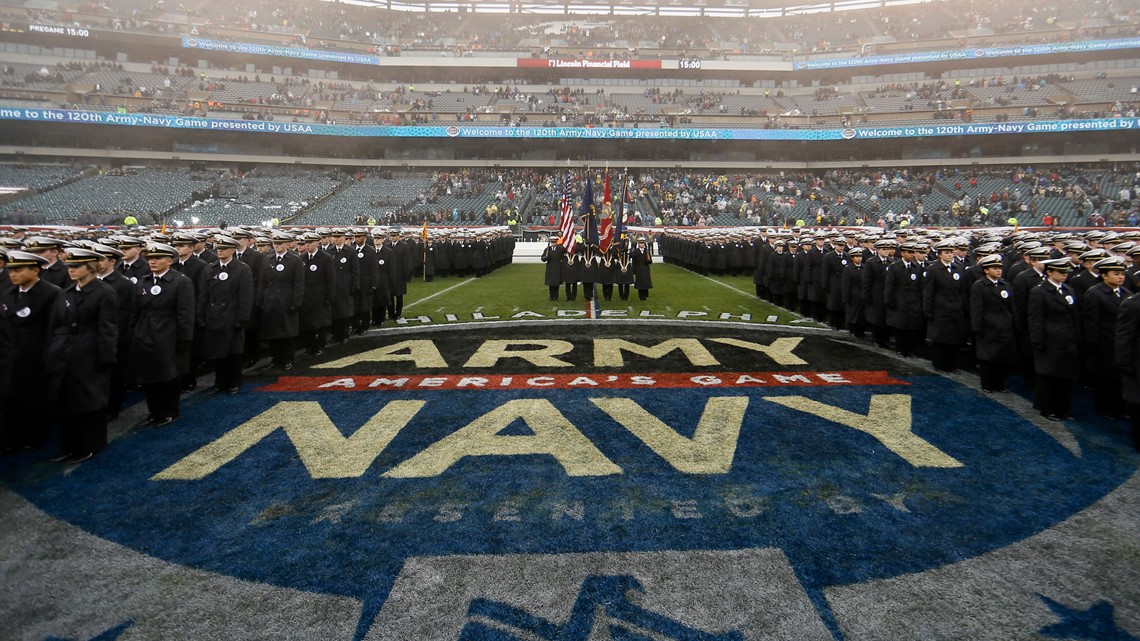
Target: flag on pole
[[605, 234], [423, 232], [619, 215], [588, 213], [566, 223]]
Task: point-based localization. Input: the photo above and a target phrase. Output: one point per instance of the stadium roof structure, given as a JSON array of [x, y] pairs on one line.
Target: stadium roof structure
[[681, 8]]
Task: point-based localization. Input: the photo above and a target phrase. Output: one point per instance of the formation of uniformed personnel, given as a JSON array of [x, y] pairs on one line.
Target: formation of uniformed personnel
[[970, 292], [932, 307]]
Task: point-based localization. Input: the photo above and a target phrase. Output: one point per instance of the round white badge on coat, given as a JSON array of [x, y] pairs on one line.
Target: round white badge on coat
[[914, 276], [24, 313], [134, 280], [343, 261], [312, 268], [156, 290], [381, 261], [1069, 299], [957, 276], [280, 267], [844, 262], [223, 276], [1004, 293], [360, 255]]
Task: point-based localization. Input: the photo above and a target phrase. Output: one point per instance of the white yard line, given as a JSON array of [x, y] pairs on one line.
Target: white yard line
[[739, 291], [440, 292]]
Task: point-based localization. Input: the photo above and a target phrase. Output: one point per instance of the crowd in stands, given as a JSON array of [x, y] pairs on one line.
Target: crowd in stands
[[888, 198], [334, 25], [256, 97]]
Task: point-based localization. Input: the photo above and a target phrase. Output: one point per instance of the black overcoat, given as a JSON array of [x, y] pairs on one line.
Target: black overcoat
[[163, 329], [944, 297], [902, 292], [83, 345], [282, 292], [993, 321], [225, 305], [1054, 331], [320, 287]]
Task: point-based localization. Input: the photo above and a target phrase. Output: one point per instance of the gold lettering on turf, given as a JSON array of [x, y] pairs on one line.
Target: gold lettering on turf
[[888, 419], [780, 350], [553, 435], [423, 353], [325, 452], [709, 451], [608, 351], [490, 352]]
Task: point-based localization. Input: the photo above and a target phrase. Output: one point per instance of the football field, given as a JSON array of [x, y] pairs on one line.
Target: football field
[[497, 466]]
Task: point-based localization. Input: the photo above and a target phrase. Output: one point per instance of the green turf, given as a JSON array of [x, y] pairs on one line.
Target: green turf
[[519, 288]]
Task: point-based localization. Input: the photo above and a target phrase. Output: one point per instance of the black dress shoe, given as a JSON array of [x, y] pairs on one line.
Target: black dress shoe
[[212, 391], [79, 458], [287, 367], [190, 388], [233, 390], [320, 352], [62, 458], [1054, 417], [161, 422]]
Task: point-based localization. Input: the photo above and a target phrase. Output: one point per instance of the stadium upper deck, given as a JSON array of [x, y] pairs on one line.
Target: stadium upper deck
[[735, 90], [615, 29]]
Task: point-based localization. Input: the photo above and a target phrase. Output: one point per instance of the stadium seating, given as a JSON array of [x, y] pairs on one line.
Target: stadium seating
[[262, 194], [371, 195], [148, 193]]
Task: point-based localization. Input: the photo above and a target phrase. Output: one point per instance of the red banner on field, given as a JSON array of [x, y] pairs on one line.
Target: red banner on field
[[719, 380], [559, 63]]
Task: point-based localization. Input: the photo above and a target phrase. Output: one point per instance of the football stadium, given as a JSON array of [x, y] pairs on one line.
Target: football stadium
[[611, 320]]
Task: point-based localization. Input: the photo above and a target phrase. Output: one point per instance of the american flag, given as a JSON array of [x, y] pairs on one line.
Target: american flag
[[566, 224]]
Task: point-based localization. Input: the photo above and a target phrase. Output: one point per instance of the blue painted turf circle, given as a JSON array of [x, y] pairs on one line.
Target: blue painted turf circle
[[843, 507]]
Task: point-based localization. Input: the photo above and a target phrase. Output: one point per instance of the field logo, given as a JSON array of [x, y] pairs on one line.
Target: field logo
[[555, 440]]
